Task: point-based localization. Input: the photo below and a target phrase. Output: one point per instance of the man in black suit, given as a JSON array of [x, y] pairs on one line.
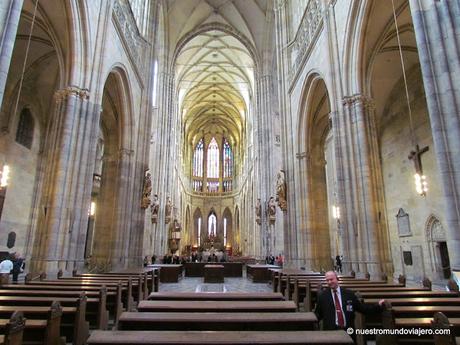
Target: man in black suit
[[336, 306]]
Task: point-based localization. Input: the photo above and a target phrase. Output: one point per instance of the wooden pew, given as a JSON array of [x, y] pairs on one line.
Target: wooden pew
[[123, 289], [217, 337], [13, 330], [215, 296], [134, 285], [99, 313], [213, 306], [153, 272], [218, 321], [72, 325], [311, 295], [113, 294], [145, 287], [95, 308], [46, 331], [444, 330], [413, 317]]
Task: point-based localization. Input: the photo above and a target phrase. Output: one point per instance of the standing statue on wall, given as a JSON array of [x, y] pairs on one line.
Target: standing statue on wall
[[258, 211], [145, 202], [281, 191], [154, 209], [271, 210], [168, 209]]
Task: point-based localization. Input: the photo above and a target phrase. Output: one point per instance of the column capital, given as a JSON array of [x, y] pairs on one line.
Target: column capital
[[75, 91], [358, 99], [125, 152]]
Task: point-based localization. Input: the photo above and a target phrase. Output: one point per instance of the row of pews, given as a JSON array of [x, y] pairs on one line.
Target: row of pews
[[217, 318], [64, 310], [406, 308]]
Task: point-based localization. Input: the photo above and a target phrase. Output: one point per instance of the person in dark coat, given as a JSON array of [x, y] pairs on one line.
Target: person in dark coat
[[18, 266], [336, 306]]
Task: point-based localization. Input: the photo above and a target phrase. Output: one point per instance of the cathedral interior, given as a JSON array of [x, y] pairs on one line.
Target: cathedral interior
[[303, 129]]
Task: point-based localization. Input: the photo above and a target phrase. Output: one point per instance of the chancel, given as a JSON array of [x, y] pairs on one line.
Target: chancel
[[151, 143]]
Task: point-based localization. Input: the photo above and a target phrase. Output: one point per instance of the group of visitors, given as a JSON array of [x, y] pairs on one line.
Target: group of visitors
[[272, 260], [13, 264]]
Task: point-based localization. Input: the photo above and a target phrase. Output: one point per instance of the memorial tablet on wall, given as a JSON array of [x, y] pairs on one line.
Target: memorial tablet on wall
[[402, 218]]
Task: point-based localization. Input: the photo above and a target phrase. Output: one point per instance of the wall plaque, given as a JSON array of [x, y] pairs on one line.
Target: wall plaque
[[402, 218]]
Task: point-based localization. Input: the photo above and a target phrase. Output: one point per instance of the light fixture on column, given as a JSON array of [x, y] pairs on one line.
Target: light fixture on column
[[336, 212], [5, 174], [421, 182]]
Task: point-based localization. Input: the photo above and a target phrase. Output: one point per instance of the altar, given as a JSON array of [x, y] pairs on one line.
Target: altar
[[213, 273], [196, 269]]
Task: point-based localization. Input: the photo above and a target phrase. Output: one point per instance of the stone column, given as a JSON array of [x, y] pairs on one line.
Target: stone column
[[437, 32], [10, 13], [295, 243], [263, 145], [367, 202], [66, 193]]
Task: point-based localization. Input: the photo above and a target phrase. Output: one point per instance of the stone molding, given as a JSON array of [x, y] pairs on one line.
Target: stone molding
[[130, 32], [306, 35], [68, 91]]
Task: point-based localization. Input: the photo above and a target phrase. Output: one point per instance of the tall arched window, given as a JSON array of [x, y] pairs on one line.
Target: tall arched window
[[25, 131], [198, 160], [212, 225], [228, 159], [213, 159]]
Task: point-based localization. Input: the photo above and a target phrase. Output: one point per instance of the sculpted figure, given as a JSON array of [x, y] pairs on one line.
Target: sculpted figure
[[281, 190], [168, 209], [145, 202], [155, 208], [271, 209]]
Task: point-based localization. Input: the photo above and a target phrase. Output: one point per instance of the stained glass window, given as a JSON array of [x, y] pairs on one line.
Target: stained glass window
[[213, 159], [198, 159], [228, 159]]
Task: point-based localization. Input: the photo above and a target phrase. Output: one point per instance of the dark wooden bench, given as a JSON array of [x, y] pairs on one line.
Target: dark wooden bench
[[46, 331], [135, 285], [72, 320], [216, 296], [13, 330], [218, 321], [113, 294], [213, 306], [219, 337], [123, 288], [446, 329], [152, 272], [94, 308]]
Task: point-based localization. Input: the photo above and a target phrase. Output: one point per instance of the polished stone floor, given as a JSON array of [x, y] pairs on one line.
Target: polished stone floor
[[192, 284]]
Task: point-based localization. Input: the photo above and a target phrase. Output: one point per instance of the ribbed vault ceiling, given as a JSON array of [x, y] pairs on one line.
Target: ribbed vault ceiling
[[214, 70]]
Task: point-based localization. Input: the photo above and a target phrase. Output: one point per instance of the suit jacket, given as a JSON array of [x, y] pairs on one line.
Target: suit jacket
[[325, 308]]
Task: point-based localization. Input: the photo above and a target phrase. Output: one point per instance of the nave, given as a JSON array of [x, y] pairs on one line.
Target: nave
[[137, 308]]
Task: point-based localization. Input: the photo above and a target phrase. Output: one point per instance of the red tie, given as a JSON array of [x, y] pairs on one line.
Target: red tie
[[338, 310]]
